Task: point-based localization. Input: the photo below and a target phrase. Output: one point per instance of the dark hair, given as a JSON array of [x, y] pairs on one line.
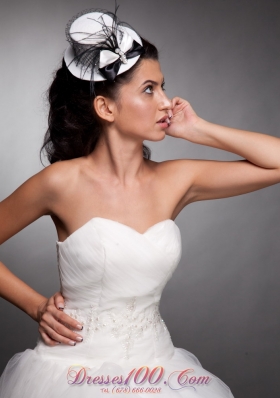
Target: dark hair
[[73, 126]]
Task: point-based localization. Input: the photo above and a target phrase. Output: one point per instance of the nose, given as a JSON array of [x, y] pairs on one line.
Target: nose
[[165, 104]]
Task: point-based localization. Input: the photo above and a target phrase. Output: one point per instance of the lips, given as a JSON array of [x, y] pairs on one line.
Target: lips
[[164, 119]]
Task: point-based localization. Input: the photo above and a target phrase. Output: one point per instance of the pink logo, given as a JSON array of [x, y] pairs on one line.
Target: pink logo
[[155, 379]]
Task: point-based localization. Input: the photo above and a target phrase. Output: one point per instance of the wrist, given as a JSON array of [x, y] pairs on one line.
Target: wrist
[[202, 132], [34, 309], [194, 132]]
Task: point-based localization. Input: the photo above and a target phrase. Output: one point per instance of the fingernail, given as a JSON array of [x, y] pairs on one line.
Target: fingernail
[[78, 326], [72, 342], [60, 306], [79, 338]]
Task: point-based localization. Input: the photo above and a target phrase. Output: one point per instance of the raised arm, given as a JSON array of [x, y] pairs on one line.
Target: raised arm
[[30, 201], [211, 179]]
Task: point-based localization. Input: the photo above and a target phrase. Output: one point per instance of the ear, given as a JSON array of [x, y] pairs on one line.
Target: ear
[[104, 107]]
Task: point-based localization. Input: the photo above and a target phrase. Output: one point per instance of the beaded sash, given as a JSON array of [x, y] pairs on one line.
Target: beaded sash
[[122, 323]]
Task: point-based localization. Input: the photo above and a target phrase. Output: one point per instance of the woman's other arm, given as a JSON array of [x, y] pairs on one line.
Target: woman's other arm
[[30, 201], [211, 179]]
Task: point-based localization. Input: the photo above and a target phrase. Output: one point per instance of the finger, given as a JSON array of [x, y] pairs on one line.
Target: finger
[[59, 315], [55, 334], [59, 301], [47, 340], [176, 101], [49, 323], [179, 103], [64, 318]]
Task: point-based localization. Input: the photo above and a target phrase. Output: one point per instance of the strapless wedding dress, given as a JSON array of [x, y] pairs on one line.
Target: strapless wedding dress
[[112, 278]]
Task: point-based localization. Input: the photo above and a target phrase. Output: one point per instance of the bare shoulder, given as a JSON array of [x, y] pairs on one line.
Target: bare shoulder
[[176, 177], [175, 165], [178, 170], [60, 177], [36, 197]]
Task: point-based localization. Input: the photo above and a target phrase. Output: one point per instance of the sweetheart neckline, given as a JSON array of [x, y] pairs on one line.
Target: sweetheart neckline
[[117, 222]]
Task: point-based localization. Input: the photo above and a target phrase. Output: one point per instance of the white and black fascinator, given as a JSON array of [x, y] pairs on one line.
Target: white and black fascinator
[[101, 47]]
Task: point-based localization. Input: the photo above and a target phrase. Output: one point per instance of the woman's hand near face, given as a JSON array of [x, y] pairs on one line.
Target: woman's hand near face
[[51, 321], [184, 120]]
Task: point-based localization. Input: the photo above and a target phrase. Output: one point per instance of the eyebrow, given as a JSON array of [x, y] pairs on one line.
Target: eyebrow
[[152, 81]]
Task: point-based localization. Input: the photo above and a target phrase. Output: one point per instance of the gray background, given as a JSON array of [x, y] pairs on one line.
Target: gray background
[[223, 56]]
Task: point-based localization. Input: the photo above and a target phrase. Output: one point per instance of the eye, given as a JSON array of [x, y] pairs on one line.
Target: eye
[[163, 86], [149, 89]]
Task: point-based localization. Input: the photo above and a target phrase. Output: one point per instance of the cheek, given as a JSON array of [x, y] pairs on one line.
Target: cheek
[[138, 113]]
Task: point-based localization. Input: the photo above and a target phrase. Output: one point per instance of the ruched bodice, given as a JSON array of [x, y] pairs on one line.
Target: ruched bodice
[[112, 278], [105, 262]]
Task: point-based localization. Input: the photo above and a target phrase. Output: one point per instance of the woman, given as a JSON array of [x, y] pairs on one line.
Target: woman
[[114, 211]]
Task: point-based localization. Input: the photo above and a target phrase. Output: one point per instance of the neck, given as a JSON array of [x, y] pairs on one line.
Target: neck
[[119, 156]]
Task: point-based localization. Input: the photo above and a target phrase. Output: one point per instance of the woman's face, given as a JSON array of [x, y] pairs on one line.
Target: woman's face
[[142, 103]]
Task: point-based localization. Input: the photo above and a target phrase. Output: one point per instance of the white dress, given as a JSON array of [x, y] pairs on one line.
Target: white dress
[[112, 278]]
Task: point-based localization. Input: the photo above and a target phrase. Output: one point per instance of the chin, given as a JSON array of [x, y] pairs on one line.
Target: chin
[[156, 137]]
